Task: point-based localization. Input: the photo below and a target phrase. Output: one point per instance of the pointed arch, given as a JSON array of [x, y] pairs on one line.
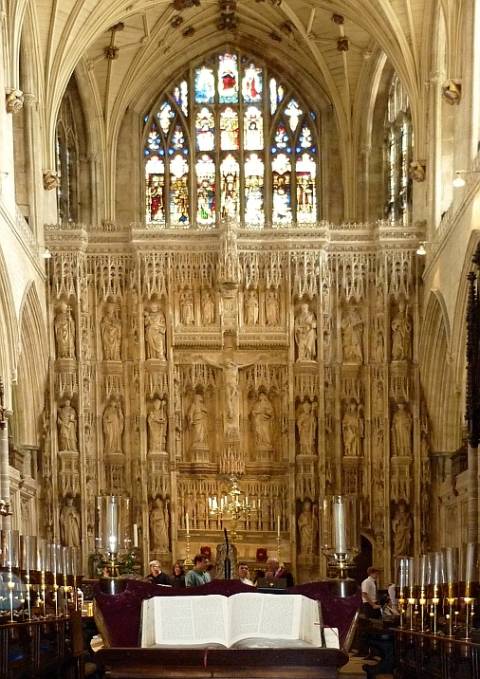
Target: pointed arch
[[32, 369], [8, 330], [436, 376]]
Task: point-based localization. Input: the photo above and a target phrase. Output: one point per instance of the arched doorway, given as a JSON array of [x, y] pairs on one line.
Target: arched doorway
[[363, 559]]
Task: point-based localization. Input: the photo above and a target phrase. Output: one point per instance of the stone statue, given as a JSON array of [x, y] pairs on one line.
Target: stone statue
[[187, 312], [307, 528], [159, 522], [220, 560], [352, 430], [272, 308], [155, 329], [67, 427], [198, 422], [70, 523], [305, 333], [251, 307], [262, 420], [306, 427], [401, 334], [157, 426], [230, 367], [111, 331], [401, 432], [352, 330], [402, 530], [64, 326], [208, 308], [379, 344], [113, 422]]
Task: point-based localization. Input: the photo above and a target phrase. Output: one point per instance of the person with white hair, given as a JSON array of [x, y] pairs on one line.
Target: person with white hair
[[156, 575]]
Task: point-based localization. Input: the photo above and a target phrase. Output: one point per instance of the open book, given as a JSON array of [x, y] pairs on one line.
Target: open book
[[247, 620]]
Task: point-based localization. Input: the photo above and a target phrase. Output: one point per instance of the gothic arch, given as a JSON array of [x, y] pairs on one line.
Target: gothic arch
[[436, 372], [8, 329], [32, 369]]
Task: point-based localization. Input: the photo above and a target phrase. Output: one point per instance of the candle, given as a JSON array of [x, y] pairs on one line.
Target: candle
[[339, 526], [135, 535], [469, 562], [278, 526], [187, 524]]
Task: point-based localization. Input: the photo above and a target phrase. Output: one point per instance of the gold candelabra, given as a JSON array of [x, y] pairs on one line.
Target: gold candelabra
[[233, 507]]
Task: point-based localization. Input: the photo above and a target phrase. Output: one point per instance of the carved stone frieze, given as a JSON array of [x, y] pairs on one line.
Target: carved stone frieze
[[284, 357]]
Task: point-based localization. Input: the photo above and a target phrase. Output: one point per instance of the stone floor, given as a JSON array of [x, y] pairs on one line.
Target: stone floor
[[353, 669]]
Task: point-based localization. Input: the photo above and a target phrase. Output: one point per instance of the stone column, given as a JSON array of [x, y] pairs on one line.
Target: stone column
[[4, 462]]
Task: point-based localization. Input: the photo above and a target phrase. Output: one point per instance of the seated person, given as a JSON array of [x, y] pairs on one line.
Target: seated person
[[178, 575], [277, 571], [244, 574], [198, 575], [156, 575]]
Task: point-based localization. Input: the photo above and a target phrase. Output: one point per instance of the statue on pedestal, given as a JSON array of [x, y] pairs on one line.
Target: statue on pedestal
[[112, 424], [157, 426], [402, 432], [155, 331], [401, 333], [111, 331], [70, 524], [308, 529], [305, 334], [159, 522], [353, 431], [262, 420], [64, 326], [306, 427], [67, 427]]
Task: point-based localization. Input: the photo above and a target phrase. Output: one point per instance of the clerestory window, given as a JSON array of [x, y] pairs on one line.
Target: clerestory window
[[398, 154], [230, 141]]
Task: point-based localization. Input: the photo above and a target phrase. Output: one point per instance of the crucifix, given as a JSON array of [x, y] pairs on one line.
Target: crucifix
[[230, 362]]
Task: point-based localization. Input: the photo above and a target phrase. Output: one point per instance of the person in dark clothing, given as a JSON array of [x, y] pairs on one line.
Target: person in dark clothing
[[178, 575], [156, 575]]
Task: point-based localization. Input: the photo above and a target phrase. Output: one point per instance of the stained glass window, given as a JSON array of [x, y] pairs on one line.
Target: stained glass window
[[254, 180], [252, 85], [228, 129], [231, 140], [227, 79], [398, 154], [253, 130], [205, 130], [206, 190], [204, 85]]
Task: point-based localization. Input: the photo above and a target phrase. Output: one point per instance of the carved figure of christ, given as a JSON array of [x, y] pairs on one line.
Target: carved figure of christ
[[230, 362]]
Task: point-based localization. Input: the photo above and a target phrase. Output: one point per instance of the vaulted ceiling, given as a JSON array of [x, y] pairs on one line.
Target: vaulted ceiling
[[128, 50]]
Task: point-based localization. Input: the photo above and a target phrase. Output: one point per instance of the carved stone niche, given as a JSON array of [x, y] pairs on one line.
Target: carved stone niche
[[155, 331]]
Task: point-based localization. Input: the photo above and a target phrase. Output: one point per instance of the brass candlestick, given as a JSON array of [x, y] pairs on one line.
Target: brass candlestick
[[188, 563], [423, 602]]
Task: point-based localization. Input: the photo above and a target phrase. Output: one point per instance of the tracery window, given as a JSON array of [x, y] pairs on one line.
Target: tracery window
[[67, 164], [230, 140], [398, 152]]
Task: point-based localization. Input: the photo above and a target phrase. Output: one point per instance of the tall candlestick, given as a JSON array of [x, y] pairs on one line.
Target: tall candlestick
[[187, 523], [278, 526], [135, 535], [339, 521]]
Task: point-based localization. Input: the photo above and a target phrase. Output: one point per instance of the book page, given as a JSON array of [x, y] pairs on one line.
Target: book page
[[184, 620], [274, 616]]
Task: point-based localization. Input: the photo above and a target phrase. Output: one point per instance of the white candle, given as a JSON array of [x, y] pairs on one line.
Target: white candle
[[278, 526], [469, 562], [187, 523], [135, 535], [339, 527]]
